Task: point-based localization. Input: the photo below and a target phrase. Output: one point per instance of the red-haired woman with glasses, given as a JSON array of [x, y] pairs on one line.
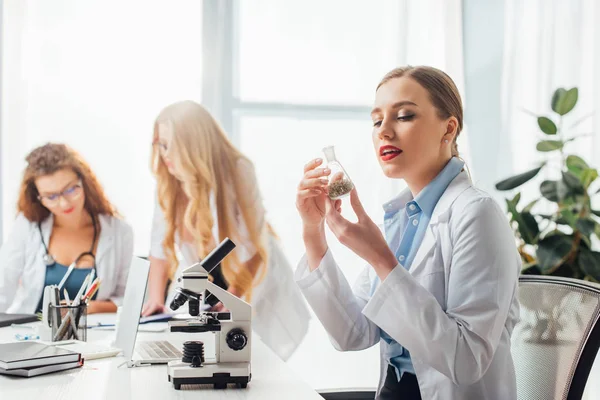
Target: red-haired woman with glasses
[[65, 229]]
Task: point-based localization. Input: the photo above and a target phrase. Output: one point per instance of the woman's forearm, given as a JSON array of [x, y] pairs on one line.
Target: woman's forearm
[[158, 277], [315, 244], [101, 306]]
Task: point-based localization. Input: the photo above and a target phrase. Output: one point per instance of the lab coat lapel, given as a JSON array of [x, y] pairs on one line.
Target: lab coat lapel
[[440, 214], [105, 237], [46, 227]]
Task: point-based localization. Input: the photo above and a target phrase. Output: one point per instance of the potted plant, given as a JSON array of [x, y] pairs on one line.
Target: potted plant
[[556, 240]]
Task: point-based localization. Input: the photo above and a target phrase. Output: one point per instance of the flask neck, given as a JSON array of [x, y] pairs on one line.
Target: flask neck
[[329, 153]]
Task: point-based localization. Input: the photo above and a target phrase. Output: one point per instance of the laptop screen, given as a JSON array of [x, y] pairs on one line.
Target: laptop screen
[[129, 317]]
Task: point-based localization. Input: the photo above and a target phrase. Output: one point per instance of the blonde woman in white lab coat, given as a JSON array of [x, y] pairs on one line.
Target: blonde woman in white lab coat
[[440, 291], [207, 190]]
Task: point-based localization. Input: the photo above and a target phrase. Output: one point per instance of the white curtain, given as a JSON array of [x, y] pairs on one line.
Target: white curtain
[[550, 44], [290, 54], [94, 75]]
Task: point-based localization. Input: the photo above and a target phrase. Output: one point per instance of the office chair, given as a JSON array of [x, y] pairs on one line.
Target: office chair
[[553, 346], [555, 343]]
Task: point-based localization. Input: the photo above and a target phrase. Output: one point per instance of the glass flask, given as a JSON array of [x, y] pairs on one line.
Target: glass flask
[[340, 185]]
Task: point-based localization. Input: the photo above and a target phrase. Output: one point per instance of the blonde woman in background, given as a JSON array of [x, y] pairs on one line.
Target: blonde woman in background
[[207, 190]]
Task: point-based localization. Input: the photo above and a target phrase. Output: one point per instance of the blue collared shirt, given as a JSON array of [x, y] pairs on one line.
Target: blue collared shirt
[[406, 220]]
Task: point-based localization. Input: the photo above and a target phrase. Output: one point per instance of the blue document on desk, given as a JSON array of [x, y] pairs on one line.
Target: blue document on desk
[[108, 320]]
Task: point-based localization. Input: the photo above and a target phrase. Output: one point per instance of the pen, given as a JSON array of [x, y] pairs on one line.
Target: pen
[[21, 326], [92, 290], [70, 315], [64, 279]]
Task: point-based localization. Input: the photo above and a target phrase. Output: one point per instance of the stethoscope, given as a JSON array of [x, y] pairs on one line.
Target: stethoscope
[[49, 260]]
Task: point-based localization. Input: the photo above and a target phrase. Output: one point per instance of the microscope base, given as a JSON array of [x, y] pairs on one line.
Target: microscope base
[[219, 375]]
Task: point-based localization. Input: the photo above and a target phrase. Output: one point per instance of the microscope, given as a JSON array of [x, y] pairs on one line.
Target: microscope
[[233, 331]]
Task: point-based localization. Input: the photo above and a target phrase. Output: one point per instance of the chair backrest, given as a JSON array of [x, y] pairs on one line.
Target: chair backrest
[[555, 343]]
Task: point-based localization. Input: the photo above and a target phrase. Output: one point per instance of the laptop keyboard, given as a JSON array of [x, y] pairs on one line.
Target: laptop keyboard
[[157, 350]]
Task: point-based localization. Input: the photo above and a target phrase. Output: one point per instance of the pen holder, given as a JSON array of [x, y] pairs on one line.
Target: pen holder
[[68, 322]]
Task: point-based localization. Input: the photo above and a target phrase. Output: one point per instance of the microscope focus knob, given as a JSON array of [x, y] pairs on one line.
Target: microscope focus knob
[[237, 339]]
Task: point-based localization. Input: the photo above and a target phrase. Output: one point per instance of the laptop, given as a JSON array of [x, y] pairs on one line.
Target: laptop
[[147, 352]]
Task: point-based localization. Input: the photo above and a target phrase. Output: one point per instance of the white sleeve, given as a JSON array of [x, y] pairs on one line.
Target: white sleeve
[[124, 260], [12, 261], [459, 342], [338, 307], [159, 230]]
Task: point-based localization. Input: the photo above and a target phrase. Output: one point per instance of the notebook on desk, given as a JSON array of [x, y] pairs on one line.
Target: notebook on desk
[[32, 354], [9, 319], [29, 359]]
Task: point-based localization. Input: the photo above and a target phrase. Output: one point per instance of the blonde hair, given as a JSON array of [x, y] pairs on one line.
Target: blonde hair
[[443, 93], [206, 162]]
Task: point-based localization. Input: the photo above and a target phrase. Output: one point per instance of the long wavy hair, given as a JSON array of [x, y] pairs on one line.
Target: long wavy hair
[[48, 159], [206, 162]]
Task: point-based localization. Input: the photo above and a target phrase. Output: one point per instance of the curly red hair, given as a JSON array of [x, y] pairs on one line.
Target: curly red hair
[[48, 159]]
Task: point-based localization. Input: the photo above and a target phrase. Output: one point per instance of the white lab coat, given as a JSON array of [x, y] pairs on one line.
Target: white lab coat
[[23, 272], [454, 311], [280, 314]]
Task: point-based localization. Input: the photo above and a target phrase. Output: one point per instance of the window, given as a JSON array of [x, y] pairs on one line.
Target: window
[[95, 75], [305, 75]]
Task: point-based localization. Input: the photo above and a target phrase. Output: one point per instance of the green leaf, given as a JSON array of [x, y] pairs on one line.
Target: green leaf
[[549, 145], [557, 97], [517, 180], [567, 217], [586, 240], [589, 262], [528, 227], [547, 125], [567, 101], [588, 176], [597, 230], [516, 199], [572, 182], [554, 190], [530, 206], [596, 213], [586, 226], [576, 165], [574, 161], [552, 251]]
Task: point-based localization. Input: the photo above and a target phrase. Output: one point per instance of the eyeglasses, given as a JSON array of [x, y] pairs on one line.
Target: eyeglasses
[[70, 193], [163, 149]]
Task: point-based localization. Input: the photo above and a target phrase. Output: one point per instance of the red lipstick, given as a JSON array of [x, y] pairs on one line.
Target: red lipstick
[[388, 152]]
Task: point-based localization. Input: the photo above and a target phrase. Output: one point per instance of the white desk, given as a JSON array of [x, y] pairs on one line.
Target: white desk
[[101, 379]]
